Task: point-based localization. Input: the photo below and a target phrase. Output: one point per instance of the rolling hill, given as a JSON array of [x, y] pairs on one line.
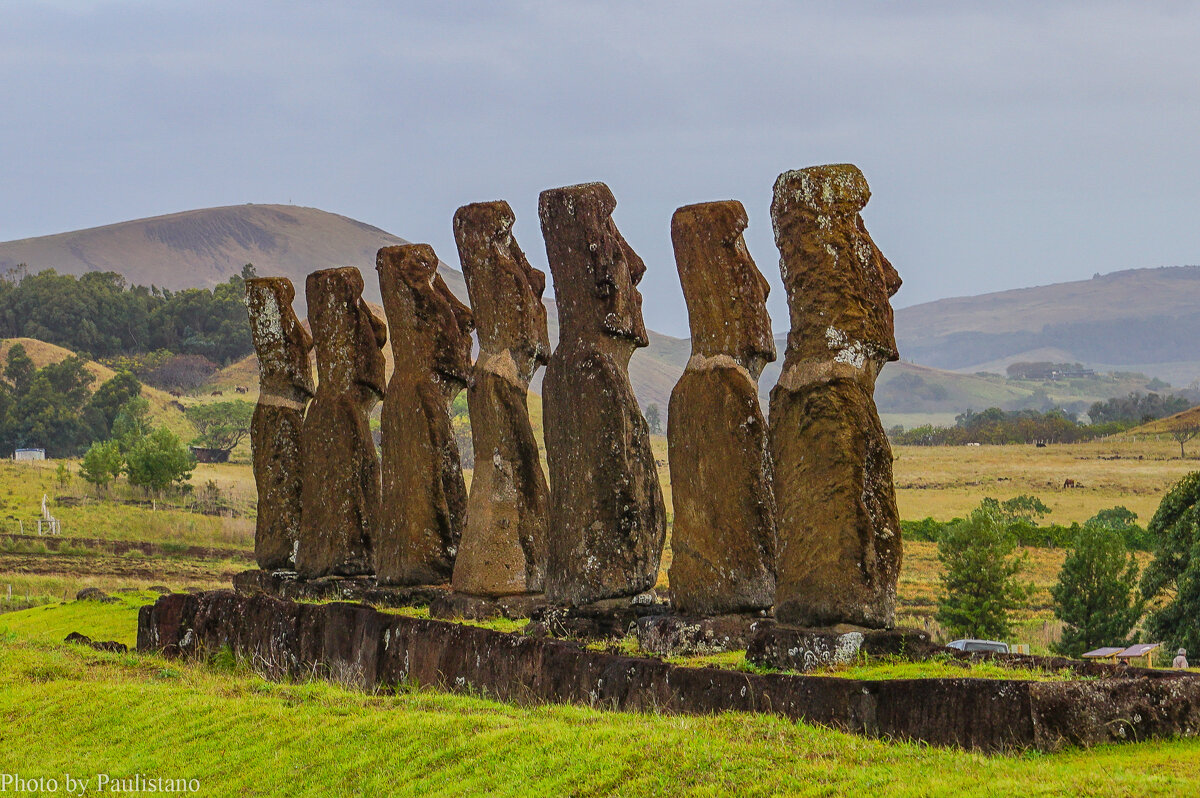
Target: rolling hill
[[1145, 320], [203, 248]]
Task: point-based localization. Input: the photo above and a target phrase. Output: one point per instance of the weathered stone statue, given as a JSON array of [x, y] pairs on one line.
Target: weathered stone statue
[[424, 495], [607, 521], [723, 539], [285, 386], [839, 533], [340, 500], [503, 549]]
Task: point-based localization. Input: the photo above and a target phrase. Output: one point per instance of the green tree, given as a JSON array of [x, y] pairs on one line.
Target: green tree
[[50, 413], [102, 463], [979, 577], [106, 403], [1095, 595], [221, 425], [158, 461], [653, 419], [1171, 582], [132, 423], [19, 368]]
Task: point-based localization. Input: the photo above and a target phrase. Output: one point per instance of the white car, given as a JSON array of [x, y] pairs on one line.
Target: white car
[[979, 645]]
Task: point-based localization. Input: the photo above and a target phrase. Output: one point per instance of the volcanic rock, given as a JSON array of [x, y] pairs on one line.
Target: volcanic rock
[[503, 549], [424, 495], [285, 386], [340, 496], [607, 522], [723, 539], [839, 532]]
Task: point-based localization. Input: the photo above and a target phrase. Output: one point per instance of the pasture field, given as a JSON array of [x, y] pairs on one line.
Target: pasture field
[[69, 709]]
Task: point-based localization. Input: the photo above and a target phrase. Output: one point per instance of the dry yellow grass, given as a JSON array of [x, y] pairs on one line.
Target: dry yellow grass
[[948, 481]]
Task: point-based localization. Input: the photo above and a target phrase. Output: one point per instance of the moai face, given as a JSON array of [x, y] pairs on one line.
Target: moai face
[[836, 278], [349, 338], [506, 291], [431, 329], [280, 340], [725, 292], [597, 287]]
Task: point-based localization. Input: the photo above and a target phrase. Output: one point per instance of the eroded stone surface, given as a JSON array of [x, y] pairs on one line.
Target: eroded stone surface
[[503, 549], [424, 495], [607, 522], [839, 532], [357, 644], [285, 386], [723, 539], [340, 498]]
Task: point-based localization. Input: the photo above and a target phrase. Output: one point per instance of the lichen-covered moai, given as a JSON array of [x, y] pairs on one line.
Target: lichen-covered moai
[[285, 386], [340, 501], [503, 550], [839, 533], [607, 522], [424, 495], [723, 540]]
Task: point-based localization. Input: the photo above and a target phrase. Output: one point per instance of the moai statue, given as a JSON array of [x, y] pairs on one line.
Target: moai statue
[[724, 535], [503, 549], [285, 386], [607, 522], [341, 495], [424, 495], [839, 533]]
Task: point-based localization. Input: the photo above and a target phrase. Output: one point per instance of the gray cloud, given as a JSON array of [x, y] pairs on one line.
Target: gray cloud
[[1006, 144]]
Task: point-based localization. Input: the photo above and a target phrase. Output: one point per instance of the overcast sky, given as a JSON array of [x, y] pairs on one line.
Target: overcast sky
[[1006, 144]]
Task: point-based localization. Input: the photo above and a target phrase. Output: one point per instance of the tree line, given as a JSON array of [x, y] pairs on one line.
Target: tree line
[[98, 315], [1100, 595]]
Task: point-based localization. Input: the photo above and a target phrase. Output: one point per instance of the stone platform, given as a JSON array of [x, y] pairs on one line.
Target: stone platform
[[285, 585], [358, 644]]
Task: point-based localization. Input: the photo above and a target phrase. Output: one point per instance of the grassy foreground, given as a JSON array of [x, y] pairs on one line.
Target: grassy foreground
[[71, 710]]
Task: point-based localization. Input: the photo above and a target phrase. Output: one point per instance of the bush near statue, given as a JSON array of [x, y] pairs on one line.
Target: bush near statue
[[760, 520]]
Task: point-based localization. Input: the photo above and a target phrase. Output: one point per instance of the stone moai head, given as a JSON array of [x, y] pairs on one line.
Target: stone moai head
[[280, 340], [595, 270], [431, 329], [725, 292], [349, 338], [506, 291], [838, 282]]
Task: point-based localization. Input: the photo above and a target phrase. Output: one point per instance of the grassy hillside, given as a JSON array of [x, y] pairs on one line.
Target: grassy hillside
[[240, 735], [163, 408]]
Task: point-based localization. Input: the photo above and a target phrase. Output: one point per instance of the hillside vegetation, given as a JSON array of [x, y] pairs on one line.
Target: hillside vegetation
[[238, 734]]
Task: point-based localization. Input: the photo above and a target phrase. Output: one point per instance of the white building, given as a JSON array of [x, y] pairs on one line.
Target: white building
[[29, 454]]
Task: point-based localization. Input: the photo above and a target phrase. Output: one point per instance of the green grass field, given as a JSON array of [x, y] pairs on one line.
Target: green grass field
[[69, 709]]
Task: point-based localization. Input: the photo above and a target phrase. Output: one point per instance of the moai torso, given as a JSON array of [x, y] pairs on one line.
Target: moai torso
[[424, 495], [341, 493], [607, 522], [723, 539], [839, 533], [285, 386], [503, 549]]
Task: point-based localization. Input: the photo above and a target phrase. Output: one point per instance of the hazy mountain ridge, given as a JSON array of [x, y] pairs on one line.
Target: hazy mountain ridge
[[1142, 319], [1135, 317]]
